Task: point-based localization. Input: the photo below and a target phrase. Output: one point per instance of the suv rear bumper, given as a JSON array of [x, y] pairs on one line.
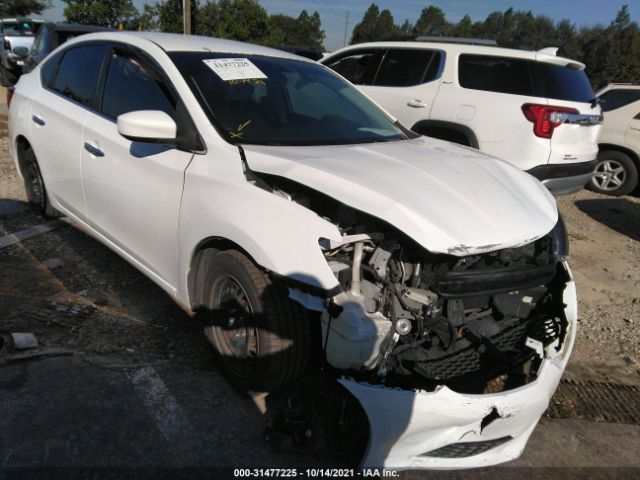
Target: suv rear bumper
[[563, 179]]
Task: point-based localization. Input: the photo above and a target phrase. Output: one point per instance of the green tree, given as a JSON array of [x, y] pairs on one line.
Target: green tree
[[432, 22], [464, 28], [107, 13], [375, 25], [304, 31], [243, 20], [22, 8]]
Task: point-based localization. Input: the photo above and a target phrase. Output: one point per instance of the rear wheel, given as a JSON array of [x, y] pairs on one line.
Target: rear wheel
[[261, 337], [615, 174], [34, 186]]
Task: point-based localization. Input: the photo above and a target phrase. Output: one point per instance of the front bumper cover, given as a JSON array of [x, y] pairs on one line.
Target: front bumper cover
[[447, 430]]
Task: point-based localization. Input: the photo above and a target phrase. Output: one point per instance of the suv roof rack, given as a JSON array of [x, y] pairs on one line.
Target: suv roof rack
[[466, 41]]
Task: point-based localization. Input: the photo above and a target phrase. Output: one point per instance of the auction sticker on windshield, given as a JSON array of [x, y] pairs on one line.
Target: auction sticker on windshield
[[234, 68]]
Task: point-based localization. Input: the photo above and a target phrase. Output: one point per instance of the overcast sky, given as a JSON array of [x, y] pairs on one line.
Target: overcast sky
[[333, 12]]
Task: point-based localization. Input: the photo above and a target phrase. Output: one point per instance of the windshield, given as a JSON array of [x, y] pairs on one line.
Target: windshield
[[276, 101], [17, 28]]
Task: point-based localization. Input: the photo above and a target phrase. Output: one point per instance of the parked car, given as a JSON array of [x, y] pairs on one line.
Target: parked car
[[50, 36], [619, 158], [533, 109], [16, 36], [308, 229]]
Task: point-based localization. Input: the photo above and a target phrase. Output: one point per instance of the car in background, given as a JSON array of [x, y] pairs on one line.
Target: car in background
[[619, 158], [16, 38], [307, 229], [535, 110], [306, 52], [51, 36]]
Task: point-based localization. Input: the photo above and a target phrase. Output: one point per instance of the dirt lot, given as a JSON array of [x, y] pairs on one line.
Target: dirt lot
[[116, 327]]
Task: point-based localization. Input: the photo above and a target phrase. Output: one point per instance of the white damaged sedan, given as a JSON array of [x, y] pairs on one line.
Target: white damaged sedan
[[313, 232]]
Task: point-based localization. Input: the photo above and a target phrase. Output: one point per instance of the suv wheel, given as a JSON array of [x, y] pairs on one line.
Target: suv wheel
[[615, 174], [34, 186], [261, 337]]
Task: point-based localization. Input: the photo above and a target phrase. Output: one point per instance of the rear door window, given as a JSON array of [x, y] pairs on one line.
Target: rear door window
[[78, 72], [358, 67], [407, 67], [131, 85], [614, 99]]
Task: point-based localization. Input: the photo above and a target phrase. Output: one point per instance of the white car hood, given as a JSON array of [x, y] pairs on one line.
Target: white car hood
[[449, 199]]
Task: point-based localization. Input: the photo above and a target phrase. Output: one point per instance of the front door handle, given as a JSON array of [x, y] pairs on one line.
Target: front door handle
[[416, 104], [93, 150], [38, 120]]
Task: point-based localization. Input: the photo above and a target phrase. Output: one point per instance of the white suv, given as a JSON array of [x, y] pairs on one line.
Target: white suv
[[619, 157], [533, 109], [269, 195]]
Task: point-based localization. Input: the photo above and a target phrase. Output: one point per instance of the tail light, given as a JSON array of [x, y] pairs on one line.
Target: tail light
[[545, 118]]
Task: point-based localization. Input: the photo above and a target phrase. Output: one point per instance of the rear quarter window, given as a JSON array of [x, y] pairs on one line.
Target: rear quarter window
[[495, 74], [524, 77]]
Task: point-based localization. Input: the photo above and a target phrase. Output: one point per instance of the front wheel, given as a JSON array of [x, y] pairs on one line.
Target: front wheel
[[615, 174], [261, 337]]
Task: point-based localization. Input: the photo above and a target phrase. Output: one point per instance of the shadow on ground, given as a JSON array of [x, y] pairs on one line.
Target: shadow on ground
[[615, 213]]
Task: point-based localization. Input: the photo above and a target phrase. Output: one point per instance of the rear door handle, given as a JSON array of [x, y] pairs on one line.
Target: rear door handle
[[38, 120], [416, 104], [93, 150]]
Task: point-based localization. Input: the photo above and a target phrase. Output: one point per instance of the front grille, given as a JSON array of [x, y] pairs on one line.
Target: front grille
[[466, 449], [511, 341]]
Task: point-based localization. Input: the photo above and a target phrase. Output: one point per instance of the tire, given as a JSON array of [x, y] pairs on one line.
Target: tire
[[7, 77], [34, 186], [615, 174], [270, 346]]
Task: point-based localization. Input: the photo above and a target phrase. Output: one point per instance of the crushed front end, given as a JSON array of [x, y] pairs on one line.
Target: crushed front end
[[453, 358]]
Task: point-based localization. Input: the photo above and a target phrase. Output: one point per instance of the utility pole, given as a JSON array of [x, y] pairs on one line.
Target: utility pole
[[186, 20], [346, 26]]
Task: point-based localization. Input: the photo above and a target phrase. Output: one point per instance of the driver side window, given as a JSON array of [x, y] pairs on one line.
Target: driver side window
[[132, 85]]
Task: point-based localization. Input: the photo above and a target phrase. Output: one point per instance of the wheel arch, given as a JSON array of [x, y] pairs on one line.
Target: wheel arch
[[22, 145], [197, 266], [440, 129], [603, 147]]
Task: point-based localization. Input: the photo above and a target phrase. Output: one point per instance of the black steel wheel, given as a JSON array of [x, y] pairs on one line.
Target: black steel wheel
[[34, 186], [261, 337]]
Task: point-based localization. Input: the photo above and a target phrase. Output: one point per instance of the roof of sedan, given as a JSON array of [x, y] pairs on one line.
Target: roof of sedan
[[175, 42]]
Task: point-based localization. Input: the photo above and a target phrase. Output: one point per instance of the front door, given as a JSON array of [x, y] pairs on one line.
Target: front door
[[133, 189]]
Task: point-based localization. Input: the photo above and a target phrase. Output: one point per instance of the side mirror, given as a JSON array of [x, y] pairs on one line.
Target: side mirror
[[21, 51], [148, 126]]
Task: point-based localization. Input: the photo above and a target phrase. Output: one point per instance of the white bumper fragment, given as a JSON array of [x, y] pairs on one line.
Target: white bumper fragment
[[407, 426]]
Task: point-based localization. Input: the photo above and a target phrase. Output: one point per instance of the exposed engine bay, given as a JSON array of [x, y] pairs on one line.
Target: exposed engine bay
[[409, 318]]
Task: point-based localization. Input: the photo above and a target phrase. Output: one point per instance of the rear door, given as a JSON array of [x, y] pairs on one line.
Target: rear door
[[70, 81], [133, 189]]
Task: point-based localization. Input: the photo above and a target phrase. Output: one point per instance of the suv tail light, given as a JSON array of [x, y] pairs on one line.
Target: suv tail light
[[545, 118]]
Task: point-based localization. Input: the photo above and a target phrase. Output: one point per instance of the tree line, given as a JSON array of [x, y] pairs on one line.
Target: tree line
[[611, 52]]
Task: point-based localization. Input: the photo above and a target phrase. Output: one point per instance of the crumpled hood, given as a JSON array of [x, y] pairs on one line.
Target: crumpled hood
[[448, 198]]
